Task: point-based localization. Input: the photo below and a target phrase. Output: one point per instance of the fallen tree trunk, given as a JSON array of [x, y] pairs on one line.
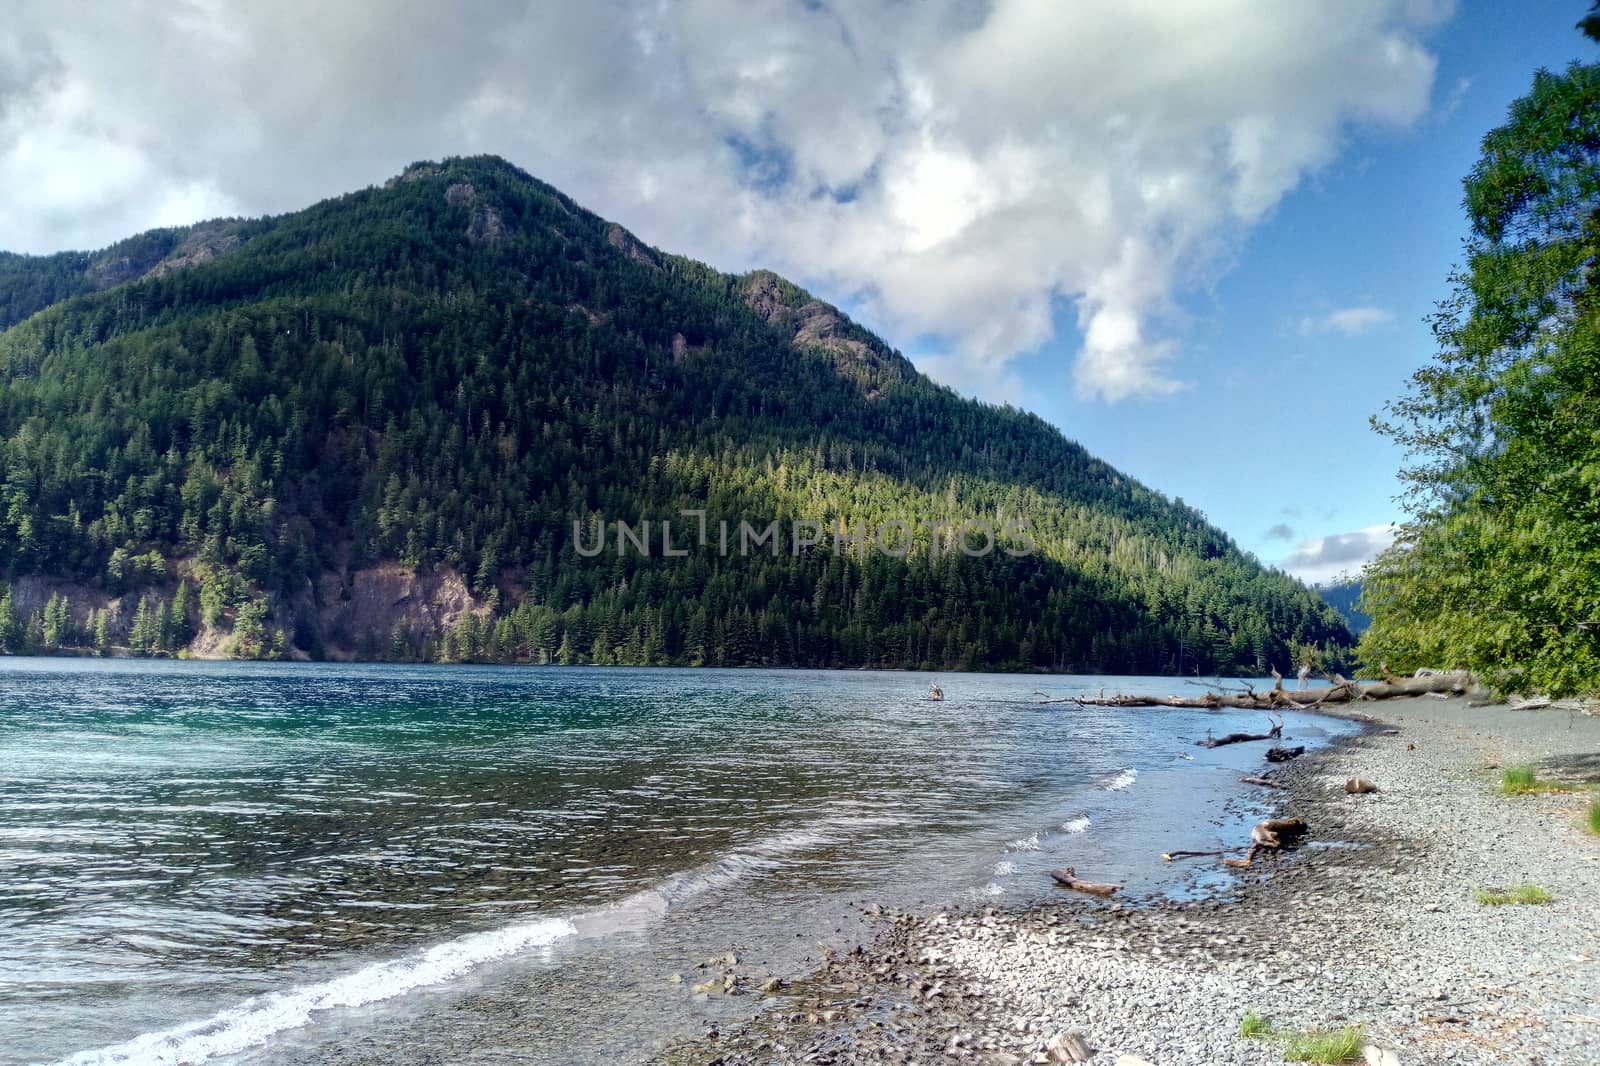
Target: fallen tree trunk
[[1455, 682], [1240, 738], [1285, 754], [1068, 878], [1262, 781], [1274, 833]]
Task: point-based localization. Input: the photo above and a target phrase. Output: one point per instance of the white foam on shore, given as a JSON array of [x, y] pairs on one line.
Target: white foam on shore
[[1079, 824], [1123, 781], [254, 1021], [1027, 843]]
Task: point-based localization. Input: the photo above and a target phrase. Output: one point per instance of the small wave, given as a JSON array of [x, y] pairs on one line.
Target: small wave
[[1027, 843], [253, 1021], [1004, 868], [1079, 824], [1123, 781]]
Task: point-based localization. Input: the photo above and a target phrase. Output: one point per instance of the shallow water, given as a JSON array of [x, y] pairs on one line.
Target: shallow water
[[275, 863]]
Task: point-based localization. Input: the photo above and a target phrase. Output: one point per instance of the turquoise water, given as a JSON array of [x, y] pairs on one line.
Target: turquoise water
[[283, 863]]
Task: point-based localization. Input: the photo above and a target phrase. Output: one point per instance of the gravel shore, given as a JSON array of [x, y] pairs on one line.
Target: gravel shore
[[1373, 922]]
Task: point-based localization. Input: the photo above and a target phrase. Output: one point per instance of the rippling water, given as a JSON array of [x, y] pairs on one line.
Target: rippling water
[[282, 863]]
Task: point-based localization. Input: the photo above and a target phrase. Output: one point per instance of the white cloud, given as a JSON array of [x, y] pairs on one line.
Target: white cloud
[[960, 169], [1324, 559], [1350, 321]]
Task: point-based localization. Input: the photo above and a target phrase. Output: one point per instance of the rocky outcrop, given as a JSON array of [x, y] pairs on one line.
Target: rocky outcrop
[[161, 252], [204, 243], [764, 295], [415, 172], [817, 326], [621, 239], [486, 226], [371, 603], [814, 325]]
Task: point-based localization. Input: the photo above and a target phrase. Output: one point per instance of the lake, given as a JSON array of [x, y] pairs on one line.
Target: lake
[[276, 863]]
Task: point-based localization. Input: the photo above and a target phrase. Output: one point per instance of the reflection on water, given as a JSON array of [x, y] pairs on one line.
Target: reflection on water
[[177, 837]]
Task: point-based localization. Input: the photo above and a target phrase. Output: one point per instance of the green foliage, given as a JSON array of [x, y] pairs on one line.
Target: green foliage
[[11, 630], [1592, 817], [57, 626], [1325, 1045], [1345, 597], [1529, 894], [1498, 569], [1516, 780], [100, 625], [373, 380], [1310, 1045]]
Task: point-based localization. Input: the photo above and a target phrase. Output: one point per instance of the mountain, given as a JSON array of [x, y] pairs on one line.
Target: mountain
[[367, 429], [1345, 597]]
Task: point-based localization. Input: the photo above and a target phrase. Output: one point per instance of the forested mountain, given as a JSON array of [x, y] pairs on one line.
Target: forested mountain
[[1345, 597], [368, 427]]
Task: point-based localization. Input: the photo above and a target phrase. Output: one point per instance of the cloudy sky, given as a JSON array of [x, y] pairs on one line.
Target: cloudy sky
[[1200, 237]]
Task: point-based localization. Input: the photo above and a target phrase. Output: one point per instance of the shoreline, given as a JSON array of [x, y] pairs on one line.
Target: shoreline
[[1371, 922]]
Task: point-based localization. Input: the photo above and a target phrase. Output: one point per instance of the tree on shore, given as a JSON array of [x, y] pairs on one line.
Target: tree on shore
[[1498, 567]]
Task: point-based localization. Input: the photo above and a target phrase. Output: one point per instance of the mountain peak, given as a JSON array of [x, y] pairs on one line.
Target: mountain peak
[[369, 427]]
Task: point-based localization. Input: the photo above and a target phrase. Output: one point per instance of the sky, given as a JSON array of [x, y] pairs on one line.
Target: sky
[[1201, 238]]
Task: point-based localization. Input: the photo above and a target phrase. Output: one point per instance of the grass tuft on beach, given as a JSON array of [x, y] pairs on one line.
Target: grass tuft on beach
[[1500, 897], [1325, 1045], [1522, 781], [1593, 818], [1516, 780], [1310, 1045]]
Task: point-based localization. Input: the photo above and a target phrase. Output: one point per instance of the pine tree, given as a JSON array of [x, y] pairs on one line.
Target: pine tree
[[143, 636], [10, 626], [102, 632], [179, 631], [57, 622]]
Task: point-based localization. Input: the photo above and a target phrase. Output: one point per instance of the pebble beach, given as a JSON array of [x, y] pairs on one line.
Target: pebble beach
[[1374, 923]]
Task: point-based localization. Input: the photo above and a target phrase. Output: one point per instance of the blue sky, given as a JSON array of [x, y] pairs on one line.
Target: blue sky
[[1274, 432], [1200, 237]]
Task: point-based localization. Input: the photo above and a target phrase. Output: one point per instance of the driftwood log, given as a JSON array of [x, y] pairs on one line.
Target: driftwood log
[[1240, 738], [1285, 754], [1262, 781], [1274, 833], [1454, 683], [1067, 877]]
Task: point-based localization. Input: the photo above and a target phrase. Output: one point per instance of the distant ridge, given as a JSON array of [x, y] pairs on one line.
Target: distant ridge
[[366, 429]]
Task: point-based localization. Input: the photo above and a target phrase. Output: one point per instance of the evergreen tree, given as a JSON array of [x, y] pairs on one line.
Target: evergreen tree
[[58, 629], [1498, 569], [102, 632], [144, 635]]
